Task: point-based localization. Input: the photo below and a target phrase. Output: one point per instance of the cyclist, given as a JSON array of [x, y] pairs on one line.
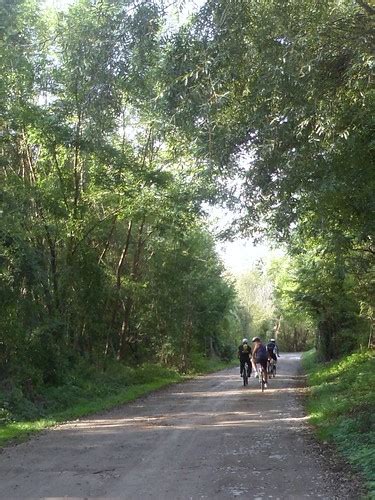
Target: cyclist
[[273, 354], [244, 355], [273, 350], [260, 357]]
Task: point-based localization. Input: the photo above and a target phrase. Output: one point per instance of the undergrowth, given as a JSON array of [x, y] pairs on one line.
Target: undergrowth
[[86, 391], [342, 407]]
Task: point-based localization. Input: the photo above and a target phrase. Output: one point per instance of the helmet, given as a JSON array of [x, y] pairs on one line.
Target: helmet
[[272, 340], [245, 341], [256, 339]]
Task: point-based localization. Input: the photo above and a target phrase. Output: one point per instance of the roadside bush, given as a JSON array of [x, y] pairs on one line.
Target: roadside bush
[[341, 405], [227, 352]]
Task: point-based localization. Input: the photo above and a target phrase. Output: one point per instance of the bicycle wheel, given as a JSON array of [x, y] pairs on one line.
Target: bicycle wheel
[[274, 370], [260, 377], [262, 380]]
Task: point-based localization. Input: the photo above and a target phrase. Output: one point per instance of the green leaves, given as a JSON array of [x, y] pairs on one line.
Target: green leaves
[[102, 241], [287, 105]]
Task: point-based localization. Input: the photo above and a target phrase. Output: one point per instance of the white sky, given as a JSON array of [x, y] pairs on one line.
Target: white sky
[[56, 4], [241, 254], [178, 16]]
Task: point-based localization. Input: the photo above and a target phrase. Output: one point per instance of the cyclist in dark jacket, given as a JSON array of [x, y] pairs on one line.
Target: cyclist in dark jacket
[[273, 349], [244, 355]]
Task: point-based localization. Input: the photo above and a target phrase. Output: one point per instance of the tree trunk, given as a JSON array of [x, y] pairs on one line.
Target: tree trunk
[[327, 331], [30, 163], [119, 269], [107, 243], [128, 306]]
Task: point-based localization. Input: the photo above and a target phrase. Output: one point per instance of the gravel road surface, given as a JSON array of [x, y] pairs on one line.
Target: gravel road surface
[[209, 438]]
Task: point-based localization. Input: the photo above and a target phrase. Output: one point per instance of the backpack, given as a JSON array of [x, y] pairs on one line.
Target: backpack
[[271, 346], [245, 348]]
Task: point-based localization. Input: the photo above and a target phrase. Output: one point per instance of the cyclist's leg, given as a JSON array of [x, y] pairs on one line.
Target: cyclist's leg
[[274, 357], [269, 354], [242, 364], [248, 368], [264, 365], [261, 373]]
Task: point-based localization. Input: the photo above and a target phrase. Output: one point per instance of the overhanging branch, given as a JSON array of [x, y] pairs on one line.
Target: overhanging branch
[[370, 10]]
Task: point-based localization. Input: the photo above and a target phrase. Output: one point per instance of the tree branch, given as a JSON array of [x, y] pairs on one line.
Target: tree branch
[[370, 10]]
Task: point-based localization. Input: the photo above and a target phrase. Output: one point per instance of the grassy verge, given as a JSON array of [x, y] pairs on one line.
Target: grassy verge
[[87, 391], [342, 407]]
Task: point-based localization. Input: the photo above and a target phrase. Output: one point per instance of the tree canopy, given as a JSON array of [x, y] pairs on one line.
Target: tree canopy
[[280, 95]]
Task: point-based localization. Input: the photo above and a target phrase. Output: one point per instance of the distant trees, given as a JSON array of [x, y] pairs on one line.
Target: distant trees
[[268, 294], [255, 291]]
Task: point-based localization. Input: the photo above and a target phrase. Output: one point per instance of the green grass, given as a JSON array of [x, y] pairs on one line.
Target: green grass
[[342, 407], [87, 391]]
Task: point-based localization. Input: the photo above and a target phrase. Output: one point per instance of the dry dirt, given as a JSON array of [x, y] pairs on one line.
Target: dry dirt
[[209, 438]]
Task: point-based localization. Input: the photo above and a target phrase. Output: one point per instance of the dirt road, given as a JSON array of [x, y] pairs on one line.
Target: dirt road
[[209, 438]]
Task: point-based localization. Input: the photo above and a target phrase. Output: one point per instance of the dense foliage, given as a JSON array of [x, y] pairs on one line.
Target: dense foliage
[[280, 96], [341, 407], [104, 251]]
